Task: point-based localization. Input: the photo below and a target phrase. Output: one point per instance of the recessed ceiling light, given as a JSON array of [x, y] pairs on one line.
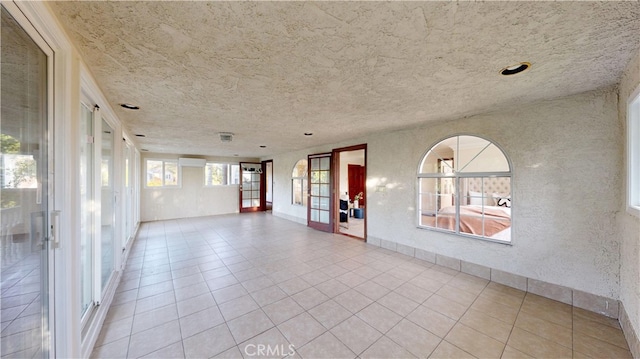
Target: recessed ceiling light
[[515, 69], [235, 155], [308, 134], [140, 135], [129, 106], [144, 150], [263, 146]]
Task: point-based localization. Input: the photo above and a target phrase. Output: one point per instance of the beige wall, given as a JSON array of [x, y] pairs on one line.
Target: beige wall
[[566, 176], [192, 198], [629, 225]]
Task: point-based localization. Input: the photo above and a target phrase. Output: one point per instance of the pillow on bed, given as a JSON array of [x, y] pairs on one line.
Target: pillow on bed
[[502, 200], [475, 198]]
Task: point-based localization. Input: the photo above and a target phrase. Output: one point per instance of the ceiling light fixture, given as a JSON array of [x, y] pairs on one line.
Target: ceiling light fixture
[[515, 69], [308, 134], [140, 135], [263, 146], [129, 106], [144, 150]]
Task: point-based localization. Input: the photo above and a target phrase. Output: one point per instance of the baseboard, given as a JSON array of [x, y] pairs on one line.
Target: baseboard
[[629, 332]]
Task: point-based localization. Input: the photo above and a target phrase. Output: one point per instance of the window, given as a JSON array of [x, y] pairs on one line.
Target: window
[[633, 153], [465, 188], [221, 174], [299, 183], [162, 173]]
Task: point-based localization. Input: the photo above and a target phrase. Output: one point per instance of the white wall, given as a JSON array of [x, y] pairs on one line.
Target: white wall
[[566, 176], [629, 225], [192, 198]]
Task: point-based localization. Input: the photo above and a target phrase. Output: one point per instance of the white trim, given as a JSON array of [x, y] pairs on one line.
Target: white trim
[[633, 153]]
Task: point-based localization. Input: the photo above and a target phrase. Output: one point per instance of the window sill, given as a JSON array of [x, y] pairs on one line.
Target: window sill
[[634, 211]]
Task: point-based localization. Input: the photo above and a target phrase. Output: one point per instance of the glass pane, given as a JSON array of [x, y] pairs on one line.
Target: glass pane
[[300, 169], [325, 163], [315, 202], [479, 155], [246, 194], [107, 204], [325, 190], [235, 174], [86, 211], [154, 173], [171, 173], [256, 202], [315, 189], [256, 195], [23, 193], [324, 203], [246, 203], [315, 164], [315, 215], [324, 177], [296, 191], [324, 217], [443, 151]]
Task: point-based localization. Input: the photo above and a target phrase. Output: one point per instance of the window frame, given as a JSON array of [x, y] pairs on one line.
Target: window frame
[[458, 196], [304, 185], [229, 177], [633, 153], [164, 161]]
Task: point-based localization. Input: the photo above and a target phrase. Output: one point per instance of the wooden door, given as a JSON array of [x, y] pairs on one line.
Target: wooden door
[[250, 187], [356, 182], [319, 205]]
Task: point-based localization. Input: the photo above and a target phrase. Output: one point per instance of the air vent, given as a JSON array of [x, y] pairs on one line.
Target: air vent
[[192, 162], [226, 136]]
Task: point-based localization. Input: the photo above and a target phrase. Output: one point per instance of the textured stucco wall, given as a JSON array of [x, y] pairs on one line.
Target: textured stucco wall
[[629, 225], [192, 199], [566, 177]]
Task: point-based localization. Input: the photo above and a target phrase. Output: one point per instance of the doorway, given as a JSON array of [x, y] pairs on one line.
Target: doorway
[[267, 169], [350, 186]]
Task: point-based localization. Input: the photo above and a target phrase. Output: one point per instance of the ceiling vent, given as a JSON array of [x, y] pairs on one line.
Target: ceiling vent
[[226, 136]]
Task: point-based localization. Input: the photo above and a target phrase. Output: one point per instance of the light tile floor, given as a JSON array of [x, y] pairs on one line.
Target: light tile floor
[[257, 286]]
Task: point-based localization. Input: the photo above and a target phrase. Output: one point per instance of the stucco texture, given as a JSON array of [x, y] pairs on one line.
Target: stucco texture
[[629, 225]]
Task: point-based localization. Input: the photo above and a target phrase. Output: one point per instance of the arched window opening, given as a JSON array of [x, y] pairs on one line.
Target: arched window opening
[[465, 188]]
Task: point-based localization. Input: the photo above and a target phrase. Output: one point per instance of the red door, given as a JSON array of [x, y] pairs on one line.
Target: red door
[[319, 205], [356, 182]]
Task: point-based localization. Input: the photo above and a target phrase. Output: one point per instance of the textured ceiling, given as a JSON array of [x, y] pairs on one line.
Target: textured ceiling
[[270, 71]]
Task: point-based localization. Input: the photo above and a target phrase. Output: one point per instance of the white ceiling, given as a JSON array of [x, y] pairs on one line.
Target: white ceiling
[[270, 71]]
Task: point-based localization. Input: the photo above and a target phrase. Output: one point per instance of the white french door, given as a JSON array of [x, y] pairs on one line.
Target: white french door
[[26, 177]]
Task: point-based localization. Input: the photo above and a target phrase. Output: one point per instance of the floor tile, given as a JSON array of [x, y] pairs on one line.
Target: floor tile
[[597, 348], [200, 321], [175, 350], [332, 288], [115, 330], [446, 350], [548, 330], [379, 317], [269, 344], [474, 342], [238, 307], [326, 346], [487, 325], [195, 304], [309, 298], [268, 295], [356, 334], [385, 348], [153, 339], [301, 329], [415, 293], [228, 293], [283, 310], [249, 325], [445, 306], [437, 323], [353, 301], [330, 313], [202, 346], [413, 338], [398, 303], [537, 346], [372, 290], [153, 318]]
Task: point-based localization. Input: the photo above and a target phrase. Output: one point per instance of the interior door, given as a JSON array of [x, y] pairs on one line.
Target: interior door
[[319, 206], [250, 199], [356, 182], [26, 252]]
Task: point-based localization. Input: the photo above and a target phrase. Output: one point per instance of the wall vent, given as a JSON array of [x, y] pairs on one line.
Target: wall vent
[[226, 136], [191, 162]]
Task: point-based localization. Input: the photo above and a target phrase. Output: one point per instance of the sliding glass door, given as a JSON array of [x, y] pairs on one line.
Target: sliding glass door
[[26, 253]]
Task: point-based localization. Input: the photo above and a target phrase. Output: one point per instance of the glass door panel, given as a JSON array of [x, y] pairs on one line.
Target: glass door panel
[[107, 213], [319, 207], [24, 211], [251, 174], [86, 209]]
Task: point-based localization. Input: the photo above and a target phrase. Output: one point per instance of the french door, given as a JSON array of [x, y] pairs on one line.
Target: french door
[[250, 198], [26, 137], [319, 205]]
